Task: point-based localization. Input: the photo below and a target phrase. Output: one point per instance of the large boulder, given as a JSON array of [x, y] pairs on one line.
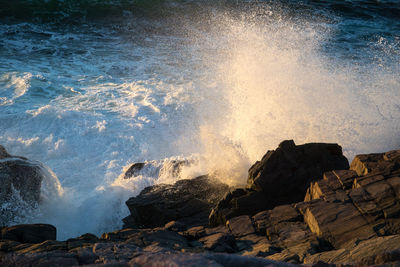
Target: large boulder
[[281, 177], [18, 173], [284, 174], [20, 181], [188, 201]]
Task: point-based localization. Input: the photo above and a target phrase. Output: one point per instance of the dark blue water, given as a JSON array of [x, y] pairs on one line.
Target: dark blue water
[[88, 87]]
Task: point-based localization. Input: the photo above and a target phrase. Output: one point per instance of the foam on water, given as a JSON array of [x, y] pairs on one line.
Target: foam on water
[[89, 101]]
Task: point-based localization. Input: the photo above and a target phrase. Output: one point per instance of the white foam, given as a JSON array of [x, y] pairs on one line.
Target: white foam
[[221, 96]]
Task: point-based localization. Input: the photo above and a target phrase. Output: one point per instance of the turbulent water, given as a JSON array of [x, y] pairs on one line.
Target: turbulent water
[[88, 92]]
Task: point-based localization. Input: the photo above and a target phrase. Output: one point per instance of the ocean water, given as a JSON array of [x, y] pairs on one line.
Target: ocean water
[[90, 88]]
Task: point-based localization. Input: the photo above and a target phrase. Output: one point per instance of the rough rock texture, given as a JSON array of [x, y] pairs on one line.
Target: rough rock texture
[[348, 218], [19, 178], [340, 210], [281, 177], [187, 201], [284, 174], [20, 174], [238, 202]]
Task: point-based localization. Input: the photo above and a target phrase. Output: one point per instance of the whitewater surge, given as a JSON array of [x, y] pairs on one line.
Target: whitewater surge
[[218, 89]]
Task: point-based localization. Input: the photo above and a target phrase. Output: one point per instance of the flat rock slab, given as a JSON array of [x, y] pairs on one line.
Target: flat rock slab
[[219, 242], [369, 252], [336, 222], [241, 225]]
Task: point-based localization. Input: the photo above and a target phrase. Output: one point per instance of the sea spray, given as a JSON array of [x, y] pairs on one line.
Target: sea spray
[[216, 84]]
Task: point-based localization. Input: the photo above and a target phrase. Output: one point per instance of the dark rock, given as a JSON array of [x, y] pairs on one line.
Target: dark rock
[[9, 245], [51, 258], [134, 170], [219, 242], [3, 153], [287, 233], [241, 225], [378, 250], [48, 245], [21, 175], [29, 233], [148, 237], [195, 232], [284, 175], [173, 168], [281, 177], [336, 222], [175, 226], [82, 241], [377, 163], [20, 180], [188, 201], [239, 202], [119, 235], [116, 254], [85, 255], [165, 258], [255, 245]]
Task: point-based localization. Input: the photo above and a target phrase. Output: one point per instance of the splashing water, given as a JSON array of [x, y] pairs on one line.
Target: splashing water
[[218, 87]]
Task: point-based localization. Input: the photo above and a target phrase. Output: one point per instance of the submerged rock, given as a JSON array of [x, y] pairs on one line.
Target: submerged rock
[[171, 168], [187, 201]]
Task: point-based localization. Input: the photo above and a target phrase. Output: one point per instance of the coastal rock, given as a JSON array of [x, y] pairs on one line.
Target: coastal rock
[[337, 223], [236, 203], [346, 219], [240, 226], [20, 180], [171, 168], [29, 233], [187, 201], [357, 204], [378, 250], [134, 170], [50, 258], [284, 174], [219, 242], [18, 173], [281, 177], [3, 153], [377, 163]]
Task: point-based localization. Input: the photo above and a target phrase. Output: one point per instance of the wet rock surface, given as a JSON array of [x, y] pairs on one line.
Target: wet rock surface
[[188, 201], [19, 178], [348, 217]]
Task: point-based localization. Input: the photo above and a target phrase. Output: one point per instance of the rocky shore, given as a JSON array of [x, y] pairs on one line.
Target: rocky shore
[[303, 204]]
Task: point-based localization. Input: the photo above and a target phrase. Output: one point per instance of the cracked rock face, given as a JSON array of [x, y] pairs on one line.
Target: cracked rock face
[[349, 217], [284, 174], [281, 177]]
